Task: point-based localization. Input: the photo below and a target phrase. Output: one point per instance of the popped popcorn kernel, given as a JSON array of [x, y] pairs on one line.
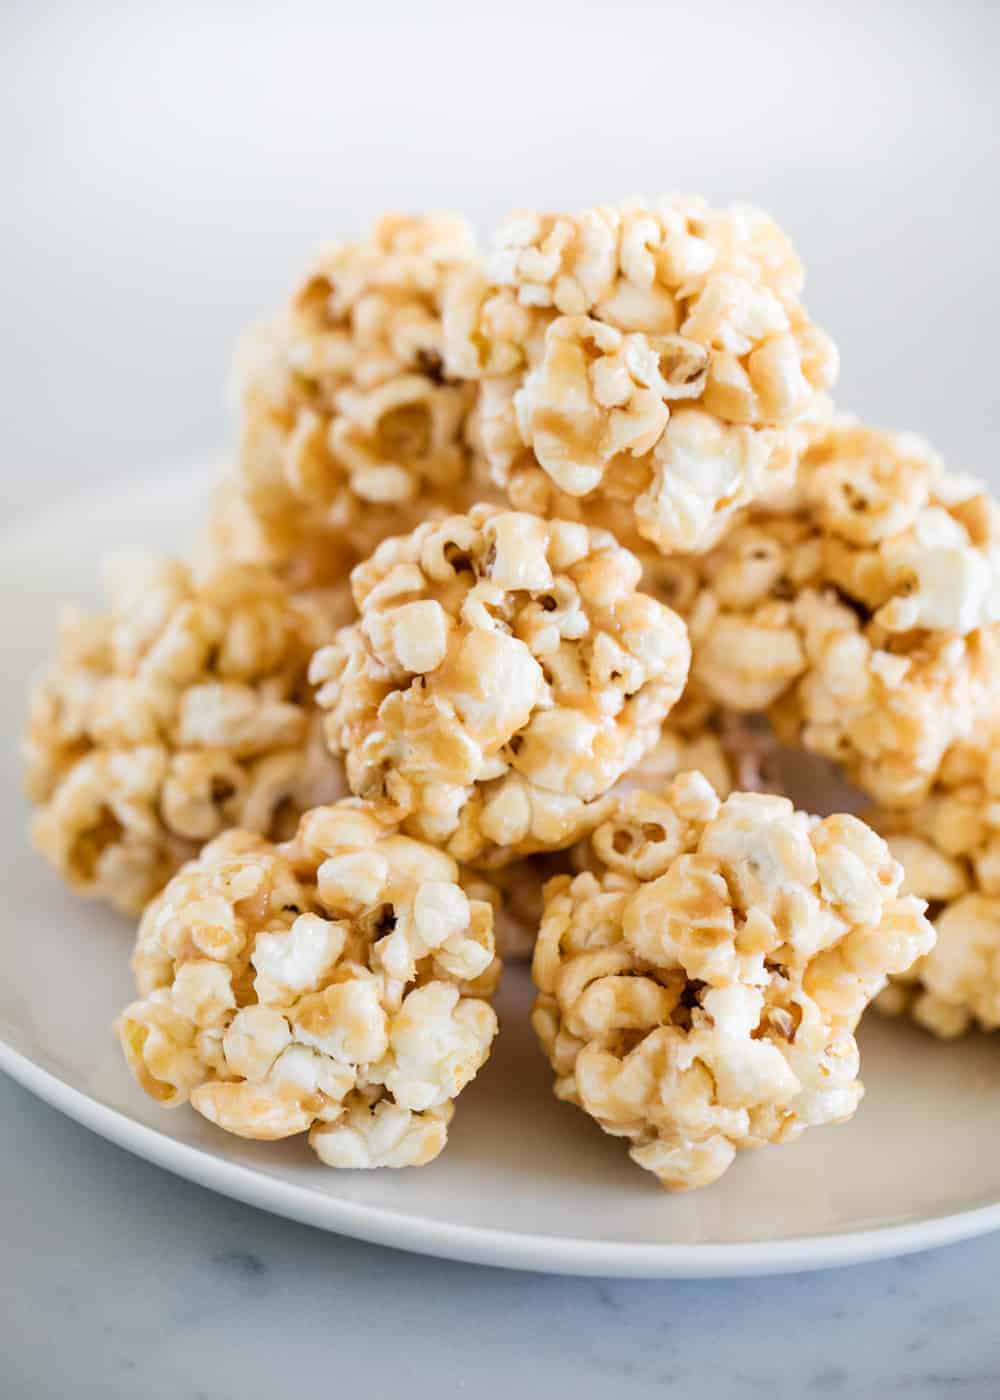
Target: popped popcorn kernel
[[552, 677], [654, 359], [182, 710], [276, 1003], [381, 1134], [350, 427], [700, 982]]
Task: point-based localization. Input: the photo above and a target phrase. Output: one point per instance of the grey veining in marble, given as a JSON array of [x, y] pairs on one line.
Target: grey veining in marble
[[119, 1281]]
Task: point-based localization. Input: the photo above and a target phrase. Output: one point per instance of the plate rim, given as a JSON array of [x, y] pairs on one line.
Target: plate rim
[[475, 1244], [480, 1244]]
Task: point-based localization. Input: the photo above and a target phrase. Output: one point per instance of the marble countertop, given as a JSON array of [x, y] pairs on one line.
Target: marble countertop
[[118, 1280]]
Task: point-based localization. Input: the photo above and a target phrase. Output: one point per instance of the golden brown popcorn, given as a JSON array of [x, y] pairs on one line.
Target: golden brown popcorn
[[863, 616], [350, 428], [733, 753], [504, 674], [653, 361], [337, 984], [699, 986], [949, 847], [181, 711]]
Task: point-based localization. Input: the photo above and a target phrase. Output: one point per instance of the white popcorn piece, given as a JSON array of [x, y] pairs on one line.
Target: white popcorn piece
[[699, 984], [272, 1004], [654, 361], [435, 1046], [385, 1135], [298, 958], [181, 711], [555, 678], [254, 1039]]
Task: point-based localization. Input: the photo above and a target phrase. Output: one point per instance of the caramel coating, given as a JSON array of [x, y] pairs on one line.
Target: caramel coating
[[863, 615], [338, 984], [181, 711], [652, 362], [700, 984], [350, 429], [949, 847], [504, 673]]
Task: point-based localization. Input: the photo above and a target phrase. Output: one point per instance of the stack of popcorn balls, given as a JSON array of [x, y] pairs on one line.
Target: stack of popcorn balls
[[523, 566]]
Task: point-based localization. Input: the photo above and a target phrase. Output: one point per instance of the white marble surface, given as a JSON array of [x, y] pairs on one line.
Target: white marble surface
[[119, 1281], [165, 168]]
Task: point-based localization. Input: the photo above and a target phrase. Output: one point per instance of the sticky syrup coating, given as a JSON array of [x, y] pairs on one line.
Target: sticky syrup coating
[[505, 672], [861, 614], [182, 709], [652, 362], [699, 985], [338, 984], [949, 847], [350, 429]]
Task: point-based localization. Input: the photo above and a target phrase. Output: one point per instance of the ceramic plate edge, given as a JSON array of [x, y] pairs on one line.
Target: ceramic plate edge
[[474, 1245]]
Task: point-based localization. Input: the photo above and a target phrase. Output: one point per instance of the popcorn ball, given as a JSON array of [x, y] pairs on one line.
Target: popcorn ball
[[336, 985], [351, 429], [652, 362], [181, 711], [699, 986], [949, 847], [865, 616], [504, 673]]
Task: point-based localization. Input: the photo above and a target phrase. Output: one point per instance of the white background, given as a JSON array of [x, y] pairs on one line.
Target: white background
[[167, 168], [164, 171]]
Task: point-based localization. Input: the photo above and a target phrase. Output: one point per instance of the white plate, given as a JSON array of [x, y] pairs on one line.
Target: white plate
[[524, 1182]]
